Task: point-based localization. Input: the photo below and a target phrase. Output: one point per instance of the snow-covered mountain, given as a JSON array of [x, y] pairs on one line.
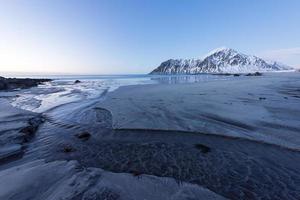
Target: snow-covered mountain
[[221, 60]]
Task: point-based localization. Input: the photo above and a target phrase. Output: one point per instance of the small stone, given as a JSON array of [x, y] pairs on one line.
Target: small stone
[[68, 149], [135, 173], [203, 148], [83, 135], [77, 81], [254, 74]]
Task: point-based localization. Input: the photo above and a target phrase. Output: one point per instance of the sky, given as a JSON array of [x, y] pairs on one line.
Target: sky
[[135, 36]]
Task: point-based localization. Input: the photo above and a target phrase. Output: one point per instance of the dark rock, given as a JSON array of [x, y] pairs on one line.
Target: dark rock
[[36, 121], [202, 148], [10, 152], [83, 135], [33, 125], [22, 83], [135, 173], [236, 74], [77, 81], [262, 98], [3, 85], [257, 74], [222, 74], [254, 74], [28, 130], [68, 149]]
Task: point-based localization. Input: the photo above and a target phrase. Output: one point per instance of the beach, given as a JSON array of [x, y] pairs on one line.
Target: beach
[[169, 137], [264, 109]]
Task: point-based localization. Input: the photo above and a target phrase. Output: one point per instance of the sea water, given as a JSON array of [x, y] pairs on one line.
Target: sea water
[[63, 89]]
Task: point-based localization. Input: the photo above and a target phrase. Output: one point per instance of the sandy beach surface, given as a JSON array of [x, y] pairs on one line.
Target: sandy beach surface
[[224, 138], [265, 109]]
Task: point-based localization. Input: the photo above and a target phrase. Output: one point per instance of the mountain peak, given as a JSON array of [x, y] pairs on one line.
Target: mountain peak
[[221, 49], [217, 50]]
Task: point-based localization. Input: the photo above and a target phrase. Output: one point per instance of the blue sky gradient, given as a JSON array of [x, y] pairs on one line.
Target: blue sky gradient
[[134, 36]]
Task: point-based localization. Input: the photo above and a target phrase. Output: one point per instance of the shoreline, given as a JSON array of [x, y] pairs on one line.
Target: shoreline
[[146, 156], [207, 107]]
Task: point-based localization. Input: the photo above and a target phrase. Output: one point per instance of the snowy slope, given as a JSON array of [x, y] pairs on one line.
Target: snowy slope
[[221, 60]]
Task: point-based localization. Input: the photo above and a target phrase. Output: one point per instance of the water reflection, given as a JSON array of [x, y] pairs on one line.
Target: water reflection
[[178, 79]]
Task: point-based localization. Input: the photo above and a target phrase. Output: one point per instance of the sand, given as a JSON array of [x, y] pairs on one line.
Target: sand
[[265, 108], [67, 180], [235, 138]]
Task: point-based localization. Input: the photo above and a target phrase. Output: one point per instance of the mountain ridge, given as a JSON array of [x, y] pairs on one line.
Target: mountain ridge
[[220, 60]]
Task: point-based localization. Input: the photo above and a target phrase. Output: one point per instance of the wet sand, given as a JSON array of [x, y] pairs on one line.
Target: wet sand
[[265, 108], [17, 128], [143, 130]]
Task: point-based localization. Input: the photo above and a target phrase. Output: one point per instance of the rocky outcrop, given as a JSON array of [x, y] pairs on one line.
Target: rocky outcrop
[[17, 128], [14, 83]]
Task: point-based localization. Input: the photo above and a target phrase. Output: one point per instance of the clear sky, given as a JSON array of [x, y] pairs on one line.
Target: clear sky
[[135, 36]]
